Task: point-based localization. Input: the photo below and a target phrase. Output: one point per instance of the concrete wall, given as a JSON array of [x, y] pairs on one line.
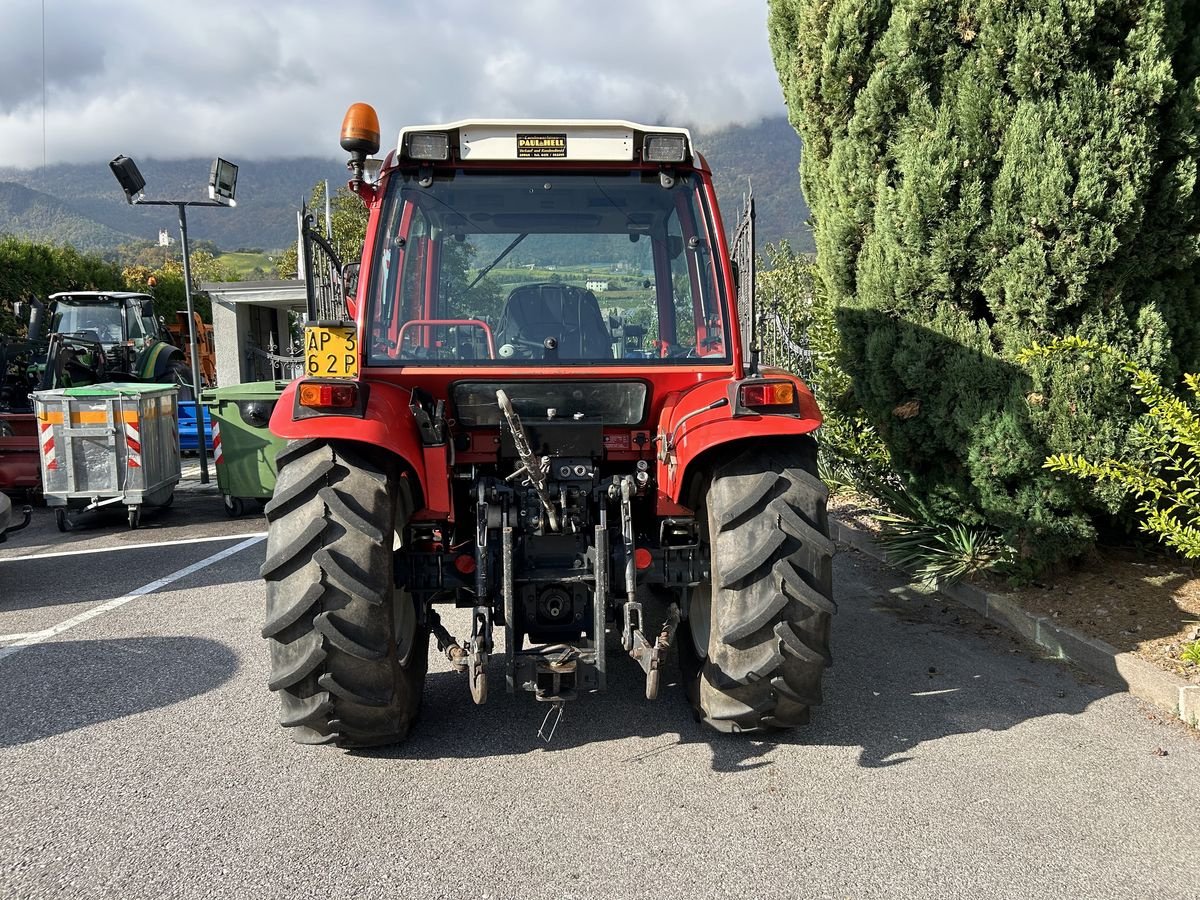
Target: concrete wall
[[246, 314]]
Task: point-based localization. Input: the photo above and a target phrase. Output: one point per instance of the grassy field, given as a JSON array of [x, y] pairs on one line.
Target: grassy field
[[245, 264]]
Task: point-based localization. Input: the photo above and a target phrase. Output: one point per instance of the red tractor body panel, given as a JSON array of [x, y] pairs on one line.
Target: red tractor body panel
[[388, 423]]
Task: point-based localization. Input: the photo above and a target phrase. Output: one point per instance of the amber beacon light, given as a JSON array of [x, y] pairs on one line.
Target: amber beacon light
[[360, 136]]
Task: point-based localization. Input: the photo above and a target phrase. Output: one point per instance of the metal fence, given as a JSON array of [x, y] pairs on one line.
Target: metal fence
[[324, 276], [742, 255], [266, 365], [781, 343], [767, 334]]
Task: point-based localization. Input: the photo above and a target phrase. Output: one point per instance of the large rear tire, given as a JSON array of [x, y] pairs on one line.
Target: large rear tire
[[756, 643], [348, 657]]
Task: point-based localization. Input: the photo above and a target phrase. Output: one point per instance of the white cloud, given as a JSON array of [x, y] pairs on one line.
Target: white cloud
[[253, 81]]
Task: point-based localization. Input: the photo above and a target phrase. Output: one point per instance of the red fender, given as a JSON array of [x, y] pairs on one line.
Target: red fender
[[711, 428], [388, 423]]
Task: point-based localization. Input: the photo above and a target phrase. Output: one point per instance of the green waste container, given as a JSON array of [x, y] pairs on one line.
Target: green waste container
[[244, 448]]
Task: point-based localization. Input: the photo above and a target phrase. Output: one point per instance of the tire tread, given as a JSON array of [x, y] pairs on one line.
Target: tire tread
[[334, 621], [771, 572]]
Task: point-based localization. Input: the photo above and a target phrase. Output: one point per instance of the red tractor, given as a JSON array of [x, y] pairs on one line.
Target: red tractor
[[544, 412]]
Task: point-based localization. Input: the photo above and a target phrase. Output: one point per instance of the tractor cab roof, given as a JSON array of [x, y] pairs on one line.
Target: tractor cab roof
[[99, 296], [545, 140]]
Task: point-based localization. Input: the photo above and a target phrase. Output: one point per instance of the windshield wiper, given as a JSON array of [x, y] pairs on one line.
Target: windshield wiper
[[495, 262]]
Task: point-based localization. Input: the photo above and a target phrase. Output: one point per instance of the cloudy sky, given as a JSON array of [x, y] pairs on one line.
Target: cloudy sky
[[250, 80]]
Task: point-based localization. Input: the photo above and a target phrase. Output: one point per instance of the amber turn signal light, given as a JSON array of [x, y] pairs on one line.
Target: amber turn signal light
[[329, 396]]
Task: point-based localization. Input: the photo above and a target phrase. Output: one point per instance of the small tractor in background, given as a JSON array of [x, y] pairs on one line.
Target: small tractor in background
[[110, 336], [482, 436]]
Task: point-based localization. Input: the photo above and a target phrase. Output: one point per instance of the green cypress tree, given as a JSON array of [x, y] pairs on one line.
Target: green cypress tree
[[983, 175]]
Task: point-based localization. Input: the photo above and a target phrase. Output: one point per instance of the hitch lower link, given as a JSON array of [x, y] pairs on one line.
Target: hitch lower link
[[647, 654], [471, 659]]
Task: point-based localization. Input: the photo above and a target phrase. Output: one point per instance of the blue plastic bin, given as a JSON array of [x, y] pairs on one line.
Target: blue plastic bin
[[187, 428]]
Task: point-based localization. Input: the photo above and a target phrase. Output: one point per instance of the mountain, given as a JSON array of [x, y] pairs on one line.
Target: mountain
[[82, 204], [766, 157], [40, 217]]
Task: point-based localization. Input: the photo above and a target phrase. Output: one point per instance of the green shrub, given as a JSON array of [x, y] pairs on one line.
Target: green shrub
[[981, 177], [1163, 473], [1191, 653], [31, 270], [935, 549], [800, 333]]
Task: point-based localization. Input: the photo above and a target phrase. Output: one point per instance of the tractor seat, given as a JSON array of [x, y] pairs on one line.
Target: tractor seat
[[571, 315]]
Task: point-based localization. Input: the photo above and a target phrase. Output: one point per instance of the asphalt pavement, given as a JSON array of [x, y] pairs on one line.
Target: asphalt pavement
[[139, 758]]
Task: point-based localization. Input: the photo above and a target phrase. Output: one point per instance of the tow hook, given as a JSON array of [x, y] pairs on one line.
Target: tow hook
[[649, 656], [477, 654]]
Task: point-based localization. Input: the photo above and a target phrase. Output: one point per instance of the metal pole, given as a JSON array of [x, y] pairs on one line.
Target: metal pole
[[328, 216], [301, 272], [191, 318]]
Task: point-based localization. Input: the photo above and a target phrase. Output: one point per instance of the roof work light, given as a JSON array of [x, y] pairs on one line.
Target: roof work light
[[664, 148], [431, 145]]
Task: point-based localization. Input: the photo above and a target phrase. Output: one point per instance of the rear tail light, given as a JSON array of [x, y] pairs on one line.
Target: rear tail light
[[772, 395], [329, 396]]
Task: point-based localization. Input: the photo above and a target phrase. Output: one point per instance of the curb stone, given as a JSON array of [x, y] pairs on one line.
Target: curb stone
[[1143, 680]]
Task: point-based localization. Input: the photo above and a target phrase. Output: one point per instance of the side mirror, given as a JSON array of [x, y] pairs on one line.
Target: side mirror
[[350, 278], [350, 287], [19, 310]]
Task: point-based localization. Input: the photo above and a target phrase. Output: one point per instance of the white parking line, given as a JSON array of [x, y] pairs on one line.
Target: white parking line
[[37, 637], [203, 540]]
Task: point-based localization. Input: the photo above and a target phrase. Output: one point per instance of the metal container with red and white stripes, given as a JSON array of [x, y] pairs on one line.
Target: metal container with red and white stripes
[[108, 443]]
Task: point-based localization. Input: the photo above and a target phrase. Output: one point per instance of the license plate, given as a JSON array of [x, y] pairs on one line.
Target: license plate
[[331, 351]]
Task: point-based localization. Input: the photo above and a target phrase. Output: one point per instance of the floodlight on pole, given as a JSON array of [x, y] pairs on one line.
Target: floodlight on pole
[[222, 181], [131, 180], [222, 184]]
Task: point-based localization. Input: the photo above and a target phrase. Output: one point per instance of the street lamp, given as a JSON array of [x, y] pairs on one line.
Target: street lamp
[[222, 183]]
